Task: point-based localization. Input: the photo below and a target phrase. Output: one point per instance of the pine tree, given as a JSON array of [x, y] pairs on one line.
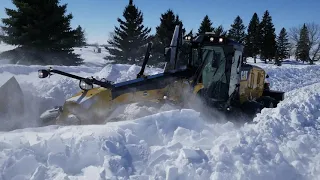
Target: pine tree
[[237, 31], [268, 37], [130, 38], [206, 25], [303, 48], [42, 31], [163, 36], [219, 31], [283, 44], [252, 38], [80, 37], [190, 33]]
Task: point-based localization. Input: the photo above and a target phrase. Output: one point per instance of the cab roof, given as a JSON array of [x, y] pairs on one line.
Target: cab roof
[[211, 38]]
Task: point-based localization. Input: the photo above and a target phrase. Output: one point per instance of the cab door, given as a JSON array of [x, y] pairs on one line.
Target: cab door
[[213, 75], [255, 84]]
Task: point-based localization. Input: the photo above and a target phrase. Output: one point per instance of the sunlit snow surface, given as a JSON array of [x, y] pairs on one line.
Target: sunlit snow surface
[[284, 143]]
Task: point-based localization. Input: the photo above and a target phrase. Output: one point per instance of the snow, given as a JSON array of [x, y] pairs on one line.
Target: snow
[[291, 75], [6, 47], [282, 143], [91, 57]]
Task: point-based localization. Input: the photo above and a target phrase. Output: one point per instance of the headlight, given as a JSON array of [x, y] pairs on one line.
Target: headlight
[[188, 38], [220, 40], [43, 73], [85, 84]]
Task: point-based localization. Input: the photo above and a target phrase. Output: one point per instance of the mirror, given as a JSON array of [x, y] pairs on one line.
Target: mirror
[[43, 73], [85, 84], [103, 80], [167, 54]]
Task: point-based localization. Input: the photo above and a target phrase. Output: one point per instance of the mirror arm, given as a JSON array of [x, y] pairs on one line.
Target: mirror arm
[[103, 84], [66, 74], [94, 81]]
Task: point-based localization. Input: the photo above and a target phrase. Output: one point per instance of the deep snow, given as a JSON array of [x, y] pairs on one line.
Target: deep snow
[[282, 144]]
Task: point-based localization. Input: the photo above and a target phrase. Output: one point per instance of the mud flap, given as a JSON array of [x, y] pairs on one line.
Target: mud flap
[[11, 98]]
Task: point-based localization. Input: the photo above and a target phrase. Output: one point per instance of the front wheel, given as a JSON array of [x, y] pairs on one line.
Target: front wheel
[[252, 107], [267, 102]]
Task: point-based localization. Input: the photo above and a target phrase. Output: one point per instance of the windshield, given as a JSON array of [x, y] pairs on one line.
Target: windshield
[[213, 74]]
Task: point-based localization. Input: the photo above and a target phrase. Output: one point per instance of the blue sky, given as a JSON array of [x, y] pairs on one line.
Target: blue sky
[[98, 17]]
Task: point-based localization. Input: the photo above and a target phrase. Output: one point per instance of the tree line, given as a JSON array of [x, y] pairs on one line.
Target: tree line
[[41, 29], [129, 39]]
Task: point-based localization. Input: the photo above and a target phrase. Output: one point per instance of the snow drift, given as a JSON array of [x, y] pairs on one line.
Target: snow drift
[[283, 144], [43, 94], [291, 75]]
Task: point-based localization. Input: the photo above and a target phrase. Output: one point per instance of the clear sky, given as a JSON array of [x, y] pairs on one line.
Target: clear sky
[[98, 17]]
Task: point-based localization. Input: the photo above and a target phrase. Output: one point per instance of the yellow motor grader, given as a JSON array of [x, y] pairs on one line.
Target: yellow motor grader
[[211, 70]]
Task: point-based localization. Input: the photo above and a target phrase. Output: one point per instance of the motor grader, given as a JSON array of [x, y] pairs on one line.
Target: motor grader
[[211, 69]]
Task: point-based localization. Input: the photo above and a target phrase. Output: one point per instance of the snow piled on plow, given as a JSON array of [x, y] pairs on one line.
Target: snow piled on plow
[[43, 94], [282, 144]]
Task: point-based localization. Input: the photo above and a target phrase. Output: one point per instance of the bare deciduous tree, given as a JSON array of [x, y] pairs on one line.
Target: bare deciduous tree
[[314, 37]]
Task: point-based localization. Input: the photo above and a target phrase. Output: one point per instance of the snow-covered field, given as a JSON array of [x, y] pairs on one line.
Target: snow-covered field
[[284, 143]]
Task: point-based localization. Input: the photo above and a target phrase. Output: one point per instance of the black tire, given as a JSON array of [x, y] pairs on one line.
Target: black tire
[[267, 102], [251, 108]]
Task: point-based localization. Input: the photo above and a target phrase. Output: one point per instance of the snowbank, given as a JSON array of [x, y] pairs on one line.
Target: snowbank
[[283, 144], [42, 94], [291, 75], [6, 47], [27, 76], [88, 53], [91, 57]]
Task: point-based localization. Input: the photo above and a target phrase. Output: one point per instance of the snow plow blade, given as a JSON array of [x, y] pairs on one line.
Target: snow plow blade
[[11, 99], [95, 105]]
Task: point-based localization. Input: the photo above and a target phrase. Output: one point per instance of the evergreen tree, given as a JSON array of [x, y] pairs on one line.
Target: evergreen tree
[[237, 31], [219, 31], [206, 25], [163, 36], [252, 38], [190, 33], [42, 31], [283, 44], [80, 37], [130, 38], [268, 37], [303, 48]]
